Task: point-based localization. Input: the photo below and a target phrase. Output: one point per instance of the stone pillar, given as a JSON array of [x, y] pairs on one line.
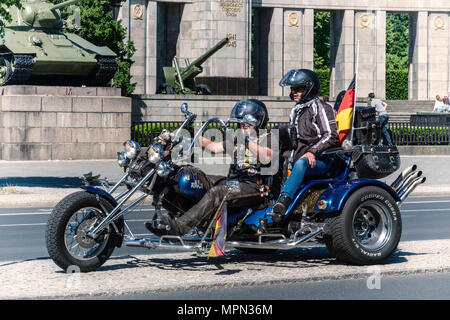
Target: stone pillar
[[342, 56], [138, 34], [418, 55], [151, 48], [290, 45], [438, 59], [275, 53], [209, 21], [370, 31]]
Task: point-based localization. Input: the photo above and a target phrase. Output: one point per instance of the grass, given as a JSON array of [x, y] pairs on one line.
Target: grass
[[9, 189]]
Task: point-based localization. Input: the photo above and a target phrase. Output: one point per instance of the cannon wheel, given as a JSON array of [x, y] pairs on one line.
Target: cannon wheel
[[368, 230], [203, 89], [165, 88]]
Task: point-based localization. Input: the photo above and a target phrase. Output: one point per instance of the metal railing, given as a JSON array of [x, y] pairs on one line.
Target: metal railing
[[403, 133]]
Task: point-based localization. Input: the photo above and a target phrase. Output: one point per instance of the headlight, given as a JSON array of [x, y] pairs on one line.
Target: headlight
[[163, 169], [122, 160], [132, 148], [155, 154]]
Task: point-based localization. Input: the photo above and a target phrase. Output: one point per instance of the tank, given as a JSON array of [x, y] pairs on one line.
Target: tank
[[35, 50]]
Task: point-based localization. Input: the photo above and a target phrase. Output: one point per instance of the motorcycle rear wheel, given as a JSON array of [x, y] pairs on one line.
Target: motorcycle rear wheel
[[368, 230], [66, 235]]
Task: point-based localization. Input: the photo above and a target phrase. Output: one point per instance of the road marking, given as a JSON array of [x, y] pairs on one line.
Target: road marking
[[23, 225], [23, 214], [432, 201], [424, 210]]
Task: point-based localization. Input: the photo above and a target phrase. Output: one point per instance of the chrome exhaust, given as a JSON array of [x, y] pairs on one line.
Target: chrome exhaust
[[403, 176], [406, 183], [410, 189]]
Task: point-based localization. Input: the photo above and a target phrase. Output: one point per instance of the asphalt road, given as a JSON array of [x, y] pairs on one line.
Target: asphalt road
[[22, 230], [432, 287]]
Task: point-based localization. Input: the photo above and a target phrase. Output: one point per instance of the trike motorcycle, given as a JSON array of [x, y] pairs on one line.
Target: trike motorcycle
[[354, 214]]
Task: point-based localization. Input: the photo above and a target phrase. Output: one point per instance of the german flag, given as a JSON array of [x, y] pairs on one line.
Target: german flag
[[220, 232], [344, 116]]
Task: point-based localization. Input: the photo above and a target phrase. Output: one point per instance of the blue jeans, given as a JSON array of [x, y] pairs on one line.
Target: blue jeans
[[383, 120], [302, 170]]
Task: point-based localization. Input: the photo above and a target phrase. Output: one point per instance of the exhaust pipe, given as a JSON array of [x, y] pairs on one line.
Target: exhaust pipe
[[411, 188], [403, 176], [406, 183]]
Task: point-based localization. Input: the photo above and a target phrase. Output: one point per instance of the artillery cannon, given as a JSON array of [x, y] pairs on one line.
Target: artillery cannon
[[35, 50], [182, 80]]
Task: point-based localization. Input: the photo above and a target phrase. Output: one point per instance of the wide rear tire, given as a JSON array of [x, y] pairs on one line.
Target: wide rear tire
[[368, 230], [67, 243]]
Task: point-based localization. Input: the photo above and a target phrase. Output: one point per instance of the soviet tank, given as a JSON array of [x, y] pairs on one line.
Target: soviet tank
[[35, 50]]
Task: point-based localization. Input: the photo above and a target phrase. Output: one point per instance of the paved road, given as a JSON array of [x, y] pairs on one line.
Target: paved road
[[432, 287], [22, 230]]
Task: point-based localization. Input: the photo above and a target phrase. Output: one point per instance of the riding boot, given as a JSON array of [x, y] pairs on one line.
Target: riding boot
[[282, 204], [167, 226]]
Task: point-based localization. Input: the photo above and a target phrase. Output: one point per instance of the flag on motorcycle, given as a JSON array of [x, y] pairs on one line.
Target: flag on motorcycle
[[344, 116], [220, 232]]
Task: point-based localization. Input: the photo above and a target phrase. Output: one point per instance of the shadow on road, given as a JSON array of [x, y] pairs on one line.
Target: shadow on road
[[301, 258]]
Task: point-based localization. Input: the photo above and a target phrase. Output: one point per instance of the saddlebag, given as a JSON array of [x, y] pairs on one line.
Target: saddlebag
[[375, 161]]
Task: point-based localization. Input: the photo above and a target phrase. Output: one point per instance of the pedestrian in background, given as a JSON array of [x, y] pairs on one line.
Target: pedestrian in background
[[438, 104], [383, 116]]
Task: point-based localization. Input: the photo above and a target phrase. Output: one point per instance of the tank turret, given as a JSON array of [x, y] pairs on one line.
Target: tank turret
[[35, 50]]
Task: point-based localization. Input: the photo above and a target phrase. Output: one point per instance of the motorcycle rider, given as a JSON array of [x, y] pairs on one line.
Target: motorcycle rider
[[250, 115], [316, 131]]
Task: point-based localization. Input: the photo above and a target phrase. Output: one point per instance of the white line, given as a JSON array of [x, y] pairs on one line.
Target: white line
[[23, 225], [23, 214], [431, 201], [424, 210]]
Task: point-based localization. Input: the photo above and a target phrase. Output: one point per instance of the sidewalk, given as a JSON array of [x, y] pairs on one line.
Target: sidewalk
[[44, 183]]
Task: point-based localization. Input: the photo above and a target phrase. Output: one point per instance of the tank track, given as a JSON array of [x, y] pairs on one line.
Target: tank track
[[22, 68], [107, 67]]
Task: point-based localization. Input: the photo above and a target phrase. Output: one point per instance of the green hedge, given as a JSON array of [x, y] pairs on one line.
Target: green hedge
[[324, 76], [397, 84]]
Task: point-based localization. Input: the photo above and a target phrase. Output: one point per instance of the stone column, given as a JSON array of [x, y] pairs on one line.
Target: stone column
[[370, 31], [137, 32], [342, 56], [275, 53], [438, 59], [209, 21], [418, 55], [151, 49]]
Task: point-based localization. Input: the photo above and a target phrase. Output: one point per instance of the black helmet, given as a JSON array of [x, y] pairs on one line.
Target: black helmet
[[252, 112], [305, 79]]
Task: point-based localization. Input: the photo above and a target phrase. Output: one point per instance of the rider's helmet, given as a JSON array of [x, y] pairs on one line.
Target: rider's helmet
[[251, 112], [304, 79]]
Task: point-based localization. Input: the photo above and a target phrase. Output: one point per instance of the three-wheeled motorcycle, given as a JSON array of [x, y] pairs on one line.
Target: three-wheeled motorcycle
[[350, 210]]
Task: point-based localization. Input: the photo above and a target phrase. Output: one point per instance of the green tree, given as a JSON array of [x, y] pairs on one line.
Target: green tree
[[99, 27], [322, 49], [397, 60], [4, 14]]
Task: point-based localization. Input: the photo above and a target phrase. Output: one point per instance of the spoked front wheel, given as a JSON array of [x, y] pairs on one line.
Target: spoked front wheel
[[368, 230], [67, 239]]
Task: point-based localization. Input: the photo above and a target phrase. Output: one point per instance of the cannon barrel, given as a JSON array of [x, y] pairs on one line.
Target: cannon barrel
[[200, 60], [64, 4]]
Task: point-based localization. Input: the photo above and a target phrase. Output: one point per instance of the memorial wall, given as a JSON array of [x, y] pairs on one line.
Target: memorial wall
[[270, 37]]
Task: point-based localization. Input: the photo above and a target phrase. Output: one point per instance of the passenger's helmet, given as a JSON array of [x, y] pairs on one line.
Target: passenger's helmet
[[251, 112], [305, 79]]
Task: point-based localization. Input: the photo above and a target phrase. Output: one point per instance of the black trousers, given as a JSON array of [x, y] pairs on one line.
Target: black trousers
[[248, 196]]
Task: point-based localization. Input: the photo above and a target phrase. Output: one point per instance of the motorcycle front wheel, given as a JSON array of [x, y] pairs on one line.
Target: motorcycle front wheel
[[66, 235]]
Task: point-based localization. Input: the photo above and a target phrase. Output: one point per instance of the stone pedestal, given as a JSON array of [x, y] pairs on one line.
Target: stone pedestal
[[57, 123]]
